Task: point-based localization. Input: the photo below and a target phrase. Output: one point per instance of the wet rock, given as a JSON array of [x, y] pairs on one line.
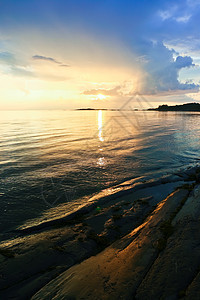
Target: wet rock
[[117, 272]]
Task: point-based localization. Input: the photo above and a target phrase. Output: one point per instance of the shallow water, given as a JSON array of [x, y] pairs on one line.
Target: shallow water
[[51, 159]]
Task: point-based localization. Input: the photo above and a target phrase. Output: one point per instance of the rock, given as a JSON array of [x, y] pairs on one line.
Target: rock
[[193, 291], [118, 271], [175, 267]]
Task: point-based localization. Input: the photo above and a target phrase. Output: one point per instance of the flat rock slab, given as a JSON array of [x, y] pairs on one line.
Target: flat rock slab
[[175, 270], [118, 271]]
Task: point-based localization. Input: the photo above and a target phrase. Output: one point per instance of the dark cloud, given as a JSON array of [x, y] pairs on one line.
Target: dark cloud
[[64, 65], [162, 70], [160, 73], [40, 57], [50, 59], [110, 92], [183, 62]]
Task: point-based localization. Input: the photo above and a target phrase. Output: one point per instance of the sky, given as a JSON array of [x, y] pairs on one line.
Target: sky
[[66, 54]]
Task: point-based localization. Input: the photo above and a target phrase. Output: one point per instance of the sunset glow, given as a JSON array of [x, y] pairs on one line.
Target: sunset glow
[[59, 55], [99, 149], [101, 97]]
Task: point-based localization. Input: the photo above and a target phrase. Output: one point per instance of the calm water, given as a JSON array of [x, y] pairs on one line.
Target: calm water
[[52, 159]]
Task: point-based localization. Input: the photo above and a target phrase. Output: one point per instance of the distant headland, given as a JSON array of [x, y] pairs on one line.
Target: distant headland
[[88, 108], [109, 109], [183, 107]]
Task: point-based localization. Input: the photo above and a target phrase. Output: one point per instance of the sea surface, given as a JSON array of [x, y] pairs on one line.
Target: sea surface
[[51, 162]]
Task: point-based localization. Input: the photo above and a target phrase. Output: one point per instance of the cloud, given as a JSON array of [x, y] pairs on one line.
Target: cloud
[[21, 72], [183, 62], [14, 66], [107, 92], [50, 59], [162, 70], [183, 19], [165, 14], [18, 67], [160, 73], [40, 57], [7, 58], [175, 13]]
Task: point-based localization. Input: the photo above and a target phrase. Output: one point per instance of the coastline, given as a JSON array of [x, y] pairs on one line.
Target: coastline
[[120, 243], [186, 107]]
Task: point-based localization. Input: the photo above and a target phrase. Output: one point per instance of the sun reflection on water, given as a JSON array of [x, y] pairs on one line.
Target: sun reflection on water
[[100, 125], [101, 161]]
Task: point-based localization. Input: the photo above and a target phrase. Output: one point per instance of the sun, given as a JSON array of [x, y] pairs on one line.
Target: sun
[[101, 97]]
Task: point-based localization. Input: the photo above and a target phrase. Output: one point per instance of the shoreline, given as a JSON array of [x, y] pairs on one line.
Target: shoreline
[[39, 259], [97, 199]]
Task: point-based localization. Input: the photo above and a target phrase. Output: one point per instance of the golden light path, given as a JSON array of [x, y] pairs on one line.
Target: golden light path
[[101, 160], [100, 124]]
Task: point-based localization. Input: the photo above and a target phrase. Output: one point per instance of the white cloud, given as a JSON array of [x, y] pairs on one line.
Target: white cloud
[[165, 14], [168, 13], [175, 14], [183, 19]]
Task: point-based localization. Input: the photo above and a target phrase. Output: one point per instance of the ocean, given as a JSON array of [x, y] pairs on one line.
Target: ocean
[[52, 162]]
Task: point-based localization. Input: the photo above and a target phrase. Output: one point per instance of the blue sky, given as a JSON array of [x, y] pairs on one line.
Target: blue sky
[[67, 54]]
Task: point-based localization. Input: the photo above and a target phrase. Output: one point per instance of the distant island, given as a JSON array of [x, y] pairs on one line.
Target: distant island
[[183, 107], [88, 108], [109, 109]]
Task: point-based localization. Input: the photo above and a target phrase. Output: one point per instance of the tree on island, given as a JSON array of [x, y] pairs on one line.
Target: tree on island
[[184, 107]]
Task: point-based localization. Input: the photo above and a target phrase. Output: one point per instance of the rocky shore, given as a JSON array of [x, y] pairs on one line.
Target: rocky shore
[[140, 243]]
